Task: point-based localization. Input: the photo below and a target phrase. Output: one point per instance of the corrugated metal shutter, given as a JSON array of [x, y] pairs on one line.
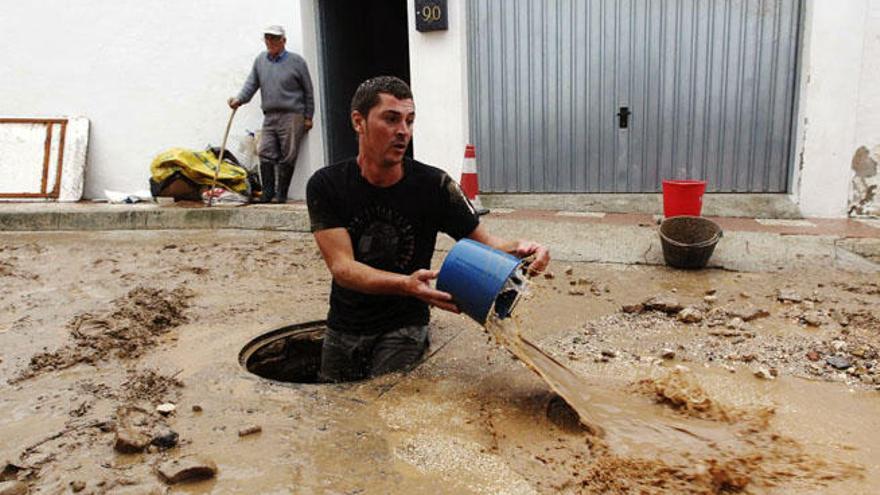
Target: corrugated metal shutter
[[709, 84]]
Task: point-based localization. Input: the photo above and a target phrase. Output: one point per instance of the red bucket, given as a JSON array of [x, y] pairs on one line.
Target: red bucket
[[683, 197]]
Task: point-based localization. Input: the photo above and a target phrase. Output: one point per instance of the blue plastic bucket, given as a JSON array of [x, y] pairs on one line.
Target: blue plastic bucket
[[476, 274]]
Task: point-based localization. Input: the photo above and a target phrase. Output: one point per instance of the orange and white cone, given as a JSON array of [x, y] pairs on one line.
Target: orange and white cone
[[470, 185]]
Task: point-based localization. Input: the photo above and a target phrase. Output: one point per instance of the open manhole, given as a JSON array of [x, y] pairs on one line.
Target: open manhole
[[288, 354]]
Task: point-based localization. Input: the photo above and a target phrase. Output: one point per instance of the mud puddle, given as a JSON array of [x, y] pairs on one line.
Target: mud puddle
[[468, 420]]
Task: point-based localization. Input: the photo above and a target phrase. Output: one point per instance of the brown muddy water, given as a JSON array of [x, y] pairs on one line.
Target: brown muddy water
[[91, 322]]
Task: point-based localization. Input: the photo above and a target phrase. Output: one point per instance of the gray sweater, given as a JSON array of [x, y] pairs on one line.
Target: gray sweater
[[285, 84]]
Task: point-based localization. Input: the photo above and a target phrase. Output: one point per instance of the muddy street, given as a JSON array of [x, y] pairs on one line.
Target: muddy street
[[120, 373]]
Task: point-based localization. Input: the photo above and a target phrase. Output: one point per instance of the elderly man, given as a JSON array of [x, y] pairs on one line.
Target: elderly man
[[375, 218], [288, 105]]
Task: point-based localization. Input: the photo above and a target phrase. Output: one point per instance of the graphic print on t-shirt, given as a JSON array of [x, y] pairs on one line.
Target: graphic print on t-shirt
[[383, 238]]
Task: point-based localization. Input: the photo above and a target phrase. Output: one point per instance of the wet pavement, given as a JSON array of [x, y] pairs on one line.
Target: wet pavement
[[471, 418]]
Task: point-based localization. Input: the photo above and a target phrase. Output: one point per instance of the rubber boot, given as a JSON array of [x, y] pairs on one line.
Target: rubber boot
[[285, 175], [267, 174]]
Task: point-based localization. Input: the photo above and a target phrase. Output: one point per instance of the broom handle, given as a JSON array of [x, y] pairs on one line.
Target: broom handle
[[220, 159]]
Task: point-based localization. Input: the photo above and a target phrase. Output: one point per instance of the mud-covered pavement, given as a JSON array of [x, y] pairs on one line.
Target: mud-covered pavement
[[709, 381]]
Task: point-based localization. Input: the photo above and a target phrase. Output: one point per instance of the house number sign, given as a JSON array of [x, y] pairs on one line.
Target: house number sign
[[431, 15]]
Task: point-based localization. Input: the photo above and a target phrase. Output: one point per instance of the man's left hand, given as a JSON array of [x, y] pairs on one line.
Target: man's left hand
[[308, 123], [541, 254]]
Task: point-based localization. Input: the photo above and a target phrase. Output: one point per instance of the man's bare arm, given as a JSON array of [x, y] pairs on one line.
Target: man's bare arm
[[519, 248], [336, 248]]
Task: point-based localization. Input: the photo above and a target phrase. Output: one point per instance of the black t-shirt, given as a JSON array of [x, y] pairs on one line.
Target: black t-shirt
[[391, 228]]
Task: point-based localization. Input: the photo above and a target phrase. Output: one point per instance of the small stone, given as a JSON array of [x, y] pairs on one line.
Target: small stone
[[132, 434], [729, 368], [166, 408], [747, 312], [838, 345], [710, 299], [666, 304], [569, 270], [690, 315], [609, 353], [838, 362], [667, 353], [165, 438], [711, 292], [859, 351], [197, 408], [190, 467], [812, 318], [736, 323], [788, 295], [632, 308], [745, 295], [764, 374], [77, 486], [549, 275], [813, 356], [250, 430], [576, 292]]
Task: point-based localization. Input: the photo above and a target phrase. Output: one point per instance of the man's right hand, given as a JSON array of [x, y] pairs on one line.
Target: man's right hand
[[233, 103], [418, 285]]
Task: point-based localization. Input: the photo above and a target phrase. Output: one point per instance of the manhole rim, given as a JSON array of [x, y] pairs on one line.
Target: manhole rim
[[256, 343]]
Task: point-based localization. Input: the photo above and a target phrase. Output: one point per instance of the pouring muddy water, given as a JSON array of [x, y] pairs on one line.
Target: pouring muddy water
[[488, 284]]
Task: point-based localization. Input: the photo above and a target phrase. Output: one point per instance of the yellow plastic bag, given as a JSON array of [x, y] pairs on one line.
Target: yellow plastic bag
[[199, 167]]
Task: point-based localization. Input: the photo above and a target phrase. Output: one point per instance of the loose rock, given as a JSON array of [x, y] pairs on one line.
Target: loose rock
[[838, 362], [569, 270], [764, 374], [165, 438], [191, 467], [747, 312], [667, 353], [632, 308], [166, 408], [788, 295], [666, 304], [77, 486], [249, 430], [813, 356], [812, 318], [690, 315], [132, 430]]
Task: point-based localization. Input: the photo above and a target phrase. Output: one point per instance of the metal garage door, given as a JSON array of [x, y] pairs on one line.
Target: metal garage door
[[616, 95]]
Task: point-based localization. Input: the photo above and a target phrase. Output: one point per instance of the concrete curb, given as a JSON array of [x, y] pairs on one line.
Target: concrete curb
[[149, 217]]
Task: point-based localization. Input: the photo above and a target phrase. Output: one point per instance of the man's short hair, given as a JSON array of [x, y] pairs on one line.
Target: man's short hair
[[367, 95]]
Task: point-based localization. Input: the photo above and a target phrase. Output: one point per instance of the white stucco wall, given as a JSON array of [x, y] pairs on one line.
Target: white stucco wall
[[148, 75], [438, 75], [839, 101]]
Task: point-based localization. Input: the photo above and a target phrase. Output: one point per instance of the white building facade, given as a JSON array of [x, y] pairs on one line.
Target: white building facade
[[154, 75]]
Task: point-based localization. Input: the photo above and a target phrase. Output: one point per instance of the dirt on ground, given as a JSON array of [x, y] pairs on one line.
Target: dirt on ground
[[120, 374]]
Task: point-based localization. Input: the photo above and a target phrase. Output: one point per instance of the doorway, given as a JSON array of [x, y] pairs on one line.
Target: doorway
[[358, 40]]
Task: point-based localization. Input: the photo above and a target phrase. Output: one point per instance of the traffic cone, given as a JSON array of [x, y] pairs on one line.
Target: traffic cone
[[469, 183]]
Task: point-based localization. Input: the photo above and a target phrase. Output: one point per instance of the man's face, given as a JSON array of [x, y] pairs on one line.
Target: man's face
[[274, 44], [387, 130]]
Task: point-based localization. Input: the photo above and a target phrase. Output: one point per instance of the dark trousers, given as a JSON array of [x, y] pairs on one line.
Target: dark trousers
[[278, 149], [347, 357]]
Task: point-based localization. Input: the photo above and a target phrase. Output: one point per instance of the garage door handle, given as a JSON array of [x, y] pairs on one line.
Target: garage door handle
[[623, 117]]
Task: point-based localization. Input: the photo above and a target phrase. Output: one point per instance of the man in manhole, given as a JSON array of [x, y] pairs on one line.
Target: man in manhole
[[375, 218]]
